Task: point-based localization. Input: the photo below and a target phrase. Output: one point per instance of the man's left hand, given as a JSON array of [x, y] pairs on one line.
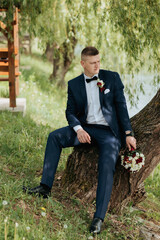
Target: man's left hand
[[130, 142]]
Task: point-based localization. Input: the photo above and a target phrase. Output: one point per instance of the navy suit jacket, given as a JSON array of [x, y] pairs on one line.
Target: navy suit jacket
[[113, 103]]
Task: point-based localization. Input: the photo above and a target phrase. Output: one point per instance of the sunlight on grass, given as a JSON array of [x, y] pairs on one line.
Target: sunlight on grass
[[45, 103]]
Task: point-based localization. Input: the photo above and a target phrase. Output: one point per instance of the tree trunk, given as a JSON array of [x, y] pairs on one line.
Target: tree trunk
[[68, 56], [53, 55], [49, 52], [80, 175], [62, 57]]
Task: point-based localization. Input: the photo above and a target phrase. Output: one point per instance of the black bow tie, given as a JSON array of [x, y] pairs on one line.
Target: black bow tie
[[91, 79]]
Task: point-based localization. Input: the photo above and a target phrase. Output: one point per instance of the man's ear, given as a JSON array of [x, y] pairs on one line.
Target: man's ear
[[82, 63]]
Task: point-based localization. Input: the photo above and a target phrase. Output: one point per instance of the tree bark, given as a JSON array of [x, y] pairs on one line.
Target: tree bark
[[62, 57], [80, 175], [53, 55], [68, 56]]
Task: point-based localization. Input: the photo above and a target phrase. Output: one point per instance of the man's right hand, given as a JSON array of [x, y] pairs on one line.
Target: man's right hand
[[83, 136]]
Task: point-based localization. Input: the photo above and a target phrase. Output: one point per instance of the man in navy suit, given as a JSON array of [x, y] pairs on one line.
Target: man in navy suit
[[96, 110]]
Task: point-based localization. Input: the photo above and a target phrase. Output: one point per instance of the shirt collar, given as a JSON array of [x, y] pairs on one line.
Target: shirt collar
[[86, 77]]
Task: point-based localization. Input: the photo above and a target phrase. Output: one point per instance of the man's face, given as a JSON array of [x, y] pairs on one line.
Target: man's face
[[91, 65]]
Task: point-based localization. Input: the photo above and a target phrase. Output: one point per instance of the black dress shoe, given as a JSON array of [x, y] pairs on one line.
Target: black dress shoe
[[96, 226], [40, 191]]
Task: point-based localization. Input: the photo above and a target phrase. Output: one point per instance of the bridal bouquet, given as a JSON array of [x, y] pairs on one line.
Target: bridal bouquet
[[132, 160]]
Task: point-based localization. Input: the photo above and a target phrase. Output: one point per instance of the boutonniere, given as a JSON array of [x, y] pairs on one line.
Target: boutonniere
[[100, 84]]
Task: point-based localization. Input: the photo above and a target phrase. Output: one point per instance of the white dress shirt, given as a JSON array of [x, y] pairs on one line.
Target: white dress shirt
[[95, 115]]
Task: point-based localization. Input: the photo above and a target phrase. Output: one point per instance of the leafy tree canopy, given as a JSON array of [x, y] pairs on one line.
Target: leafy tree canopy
[[130, 26]]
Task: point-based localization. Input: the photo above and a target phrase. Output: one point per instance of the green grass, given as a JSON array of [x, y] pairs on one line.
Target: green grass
[[152, 204], [46, 104], [22, 146]]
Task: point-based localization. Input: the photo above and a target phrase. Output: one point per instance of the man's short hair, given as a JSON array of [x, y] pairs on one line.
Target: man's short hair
[[89, 51]]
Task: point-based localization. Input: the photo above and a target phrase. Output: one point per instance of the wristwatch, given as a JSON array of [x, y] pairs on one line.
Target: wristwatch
[[131, 133]]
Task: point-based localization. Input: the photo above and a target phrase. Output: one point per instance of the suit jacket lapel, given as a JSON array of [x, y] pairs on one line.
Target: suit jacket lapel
[[84, 93], [101, 93]]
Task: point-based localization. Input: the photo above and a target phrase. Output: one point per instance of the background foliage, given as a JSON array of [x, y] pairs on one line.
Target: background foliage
[[126, 32]]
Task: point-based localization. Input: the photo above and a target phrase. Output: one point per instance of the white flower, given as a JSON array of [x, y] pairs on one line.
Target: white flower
[[65, 226], [4, 203], [90, 237], [6, 220], [16, 224], [135, 168], [28, 228], [133, 162], [43, 214]]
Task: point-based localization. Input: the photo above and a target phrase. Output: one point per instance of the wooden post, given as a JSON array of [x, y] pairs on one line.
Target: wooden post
[[16, 50], [10, 66], [11, 59]]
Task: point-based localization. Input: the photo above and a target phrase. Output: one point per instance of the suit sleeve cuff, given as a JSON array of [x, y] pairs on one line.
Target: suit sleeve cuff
[[76, 128], [129, 133]]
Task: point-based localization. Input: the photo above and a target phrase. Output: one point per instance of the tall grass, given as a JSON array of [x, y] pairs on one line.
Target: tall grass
[[22, 146]]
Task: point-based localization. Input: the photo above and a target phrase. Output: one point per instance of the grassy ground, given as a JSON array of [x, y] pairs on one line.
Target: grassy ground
[[22, 145]]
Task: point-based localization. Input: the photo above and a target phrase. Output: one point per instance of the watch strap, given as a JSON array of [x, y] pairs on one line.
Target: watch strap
[[130, 134]]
